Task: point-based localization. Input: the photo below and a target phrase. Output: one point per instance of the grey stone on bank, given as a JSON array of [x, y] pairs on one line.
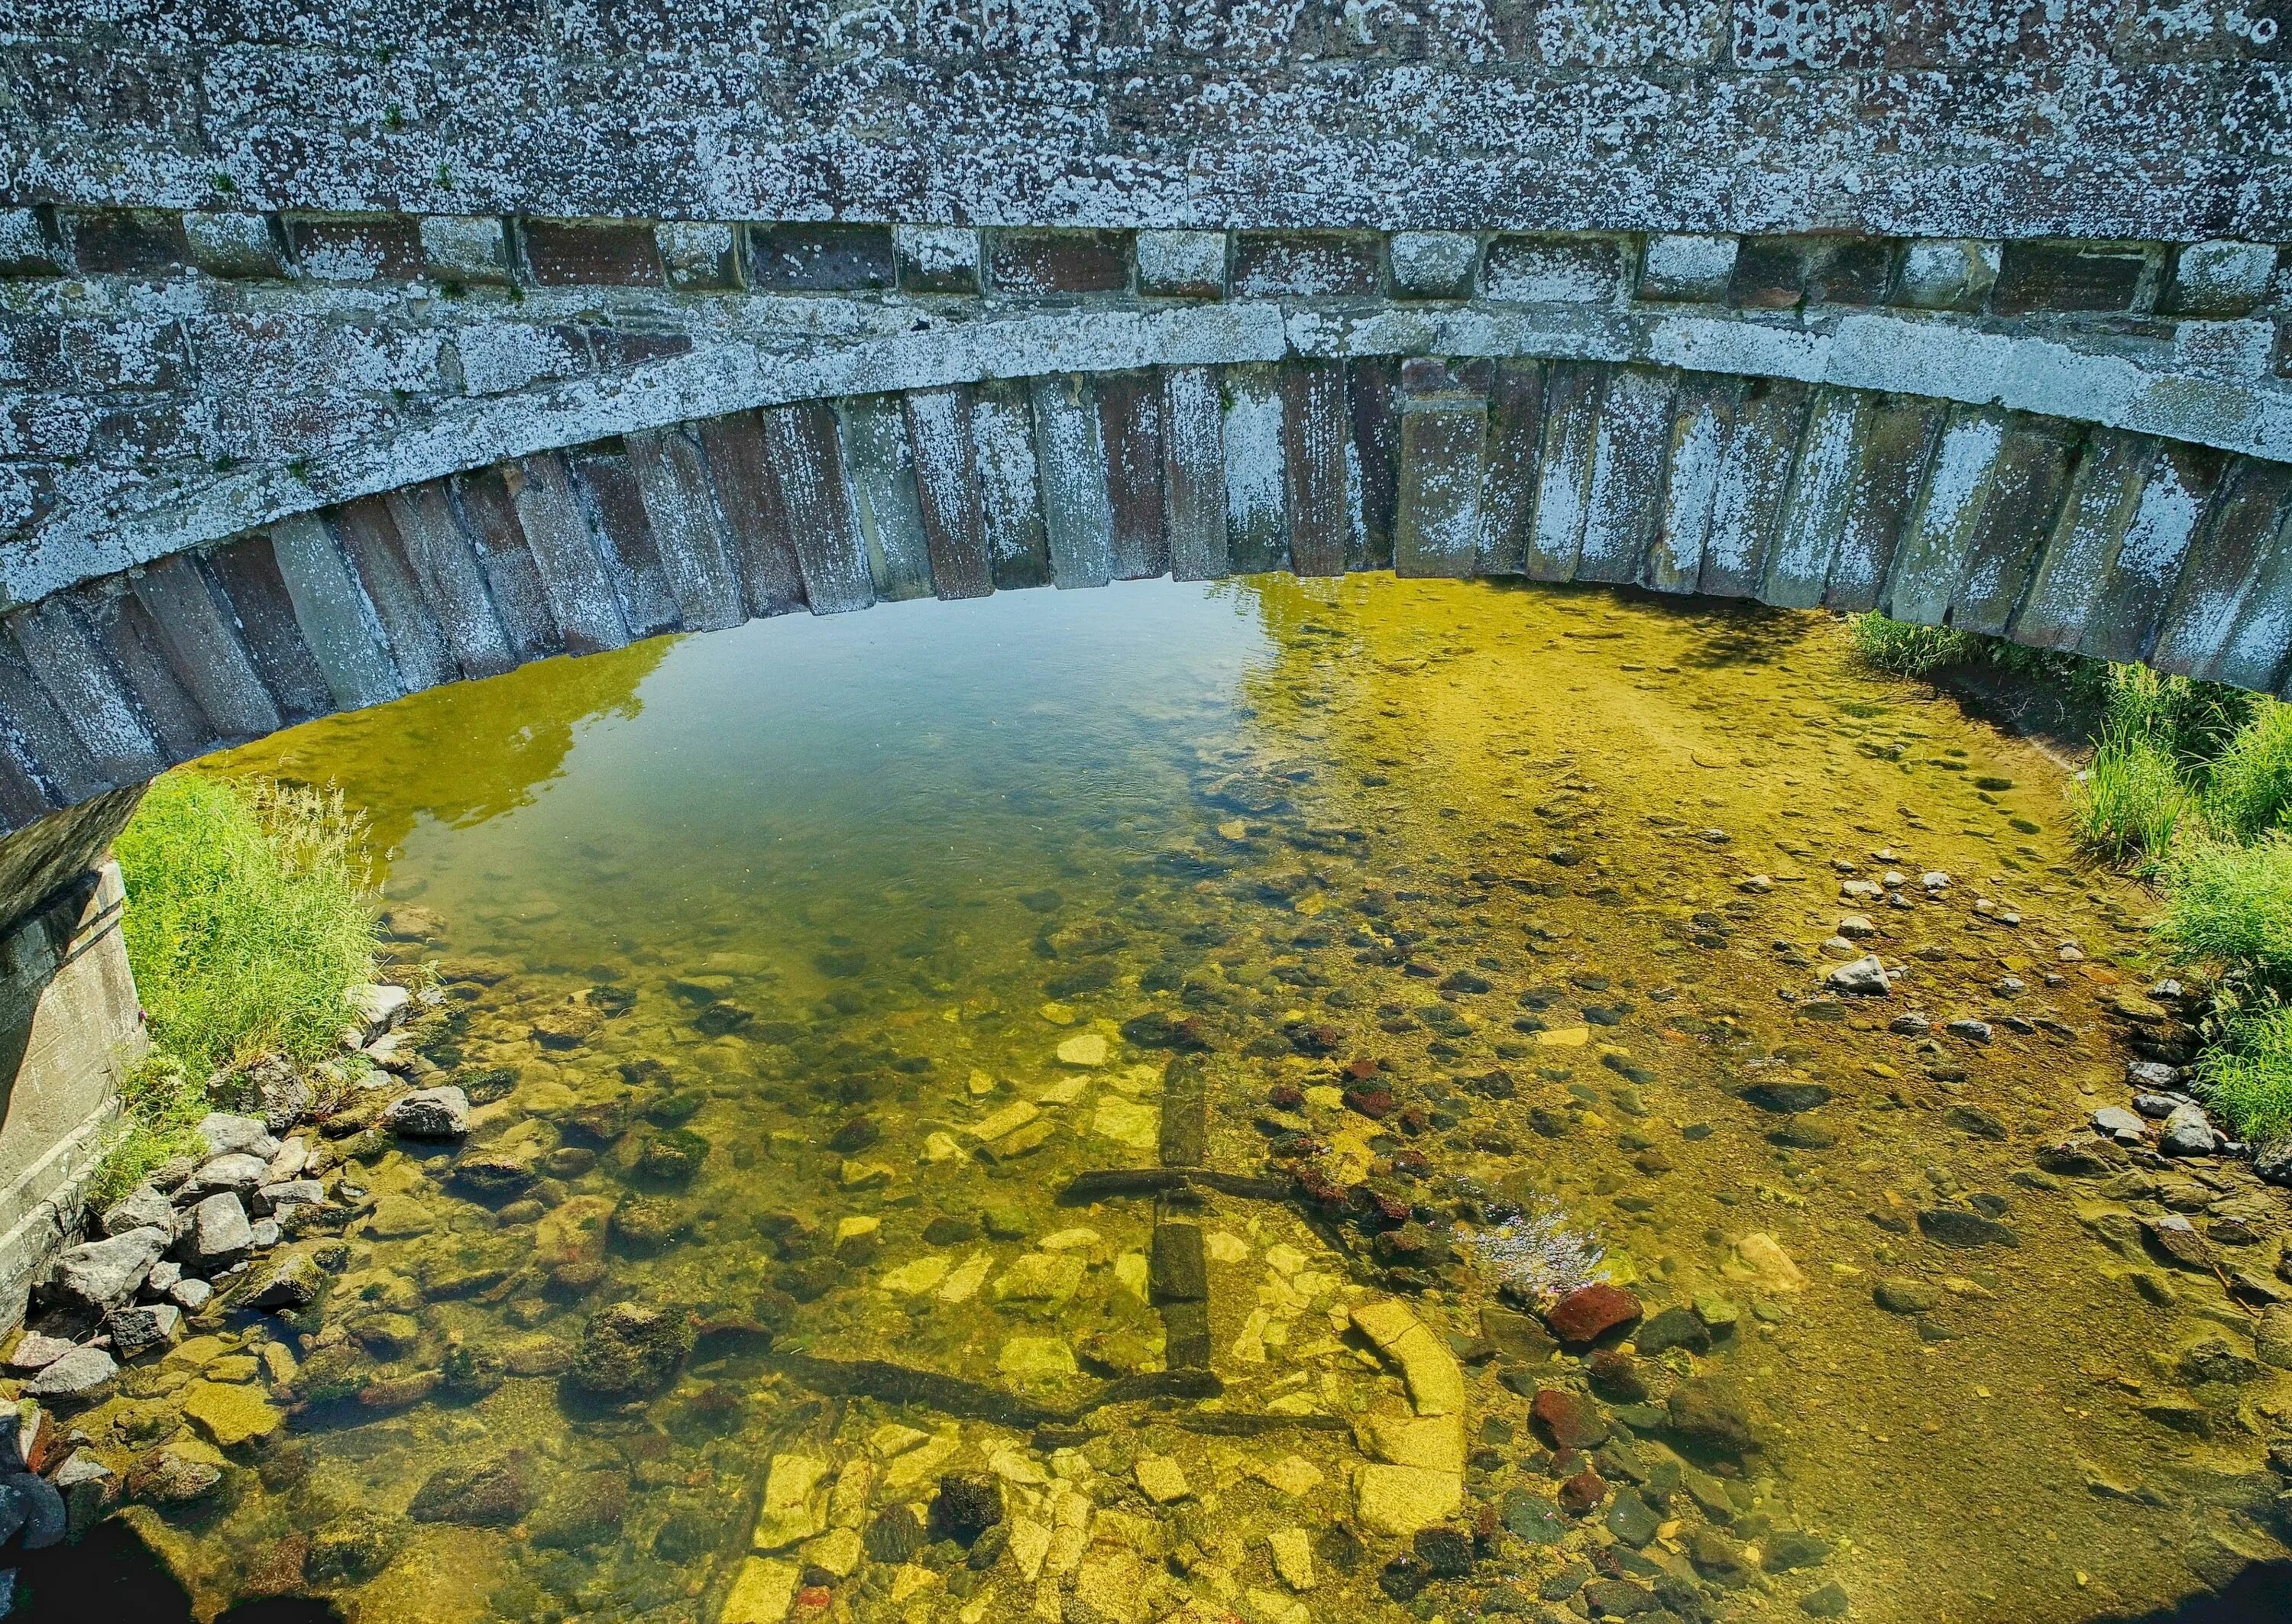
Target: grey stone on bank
[[290, 1281], [240, 1173], [377, 1006], [429, 1114], [293, 1193], [2189, 1132], [2156, 1107], [2121, 1125], [37, 1352], [99, 1273], [2153, 1074], [140, 1327], [191, 1295], [82, 1373], [228, 1135], [144, 1207], [1864, 977], [45, 1521], [217, 1234]]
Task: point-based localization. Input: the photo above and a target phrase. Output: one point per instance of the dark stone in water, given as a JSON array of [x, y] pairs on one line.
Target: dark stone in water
[[492, 1180], [1583, 1493], [595, 1126], [1674, 1327], [486, 1494], [895, 1535], [1568, 1420], [673, 1110], [951, 1229], [1974, 1120], [1615, 1376], [1828, 1601], [969, 1504], [1631, 1519], [1795, 1548], [354, 1547], [583, 1510], [2082, 1155], [722, 1018], [486, 1084], [629, 1350], [1404, 1579], [1532, 1518], [1956, 1226], [1156, 1030], [1447, 1553], [1804, 1133], [1706, 1412], [1095, 977], [672, 1157], [840, 963], [1907, 1296], [1516, 1336], [1788, 1098], [647, 1224], [856, 1133]]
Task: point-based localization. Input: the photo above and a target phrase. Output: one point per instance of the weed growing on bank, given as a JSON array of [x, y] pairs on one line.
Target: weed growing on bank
[[249, 915], [2190, 786]]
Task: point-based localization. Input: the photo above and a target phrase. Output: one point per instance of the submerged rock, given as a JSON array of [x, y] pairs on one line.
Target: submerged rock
[[630, 1351], [1864, 977], [486, 1494], [429, 1114], [1589, 1312]]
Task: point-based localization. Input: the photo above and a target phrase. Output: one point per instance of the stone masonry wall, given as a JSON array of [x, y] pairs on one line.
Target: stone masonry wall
[[2160, 119]]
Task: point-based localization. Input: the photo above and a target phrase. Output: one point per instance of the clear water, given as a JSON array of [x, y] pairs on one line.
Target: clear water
[[830, 894]]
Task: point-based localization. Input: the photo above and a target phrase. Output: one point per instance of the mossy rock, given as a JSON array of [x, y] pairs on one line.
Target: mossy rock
[[671, 1157], [647, 1224], [630, 1351]]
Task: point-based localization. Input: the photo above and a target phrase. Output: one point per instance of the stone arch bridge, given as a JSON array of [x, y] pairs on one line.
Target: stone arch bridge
[[349, 350]]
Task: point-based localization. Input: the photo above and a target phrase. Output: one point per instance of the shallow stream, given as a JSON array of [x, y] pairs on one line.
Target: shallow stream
[[797, 970]]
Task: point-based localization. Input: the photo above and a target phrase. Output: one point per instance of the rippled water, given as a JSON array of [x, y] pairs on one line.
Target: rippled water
[[764, 949]]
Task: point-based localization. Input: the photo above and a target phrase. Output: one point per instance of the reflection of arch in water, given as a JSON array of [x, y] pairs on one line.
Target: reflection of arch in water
[[2053, 533]]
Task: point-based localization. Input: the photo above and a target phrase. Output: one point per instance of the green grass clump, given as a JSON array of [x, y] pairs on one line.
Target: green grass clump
[[2234, 903], [248, 913], [161, 1104], [2131, 801], [2249, 1078], [2250, 790], [2195, 720], [1906, 650]]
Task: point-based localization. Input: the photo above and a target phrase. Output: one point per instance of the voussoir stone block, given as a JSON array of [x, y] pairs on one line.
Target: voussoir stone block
[[699, 255], [1059, 261], [1689, 267], [937, 259], [28, 247], [1182, 264], [2220, 279], [1949, 273], [362, 248], [1556, 269], [824, 258], [465, 248], [1433, 264], [239, 246]]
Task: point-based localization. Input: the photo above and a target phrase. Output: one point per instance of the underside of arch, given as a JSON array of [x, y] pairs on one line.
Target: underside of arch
[[2055, 533]]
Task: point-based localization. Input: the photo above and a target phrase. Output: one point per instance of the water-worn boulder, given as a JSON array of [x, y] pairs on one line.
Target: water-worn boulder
[[81, 1374], [218, 1233], [291, 1281], [1864, 977], [1590, 1312], [484, 1494], [429, 1114], [144, 1207], [226, 1135], [99, 1274], [237, 1171], [629, 1351]]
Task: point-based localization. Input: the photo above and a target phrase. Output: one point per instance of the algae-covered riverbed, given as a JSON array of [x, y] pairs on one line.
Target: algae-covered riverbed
[[1442, 938]]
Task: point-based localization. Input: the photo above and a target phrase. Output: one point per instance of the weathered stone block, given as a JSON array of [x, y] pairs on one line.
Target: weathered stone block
[[1433, 264], [1059, 261], [821, 258], [1951, 273], [582, 252], [467, 248], [2074, 275], [2220, 279], [1557, 270], [126, 242], [1770, 273], [369, 248], [1848, 269], [1303, 264], [1182, 264], [700, 255], [1688, 267], [937, 259], [28, 247], [235, 246]]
